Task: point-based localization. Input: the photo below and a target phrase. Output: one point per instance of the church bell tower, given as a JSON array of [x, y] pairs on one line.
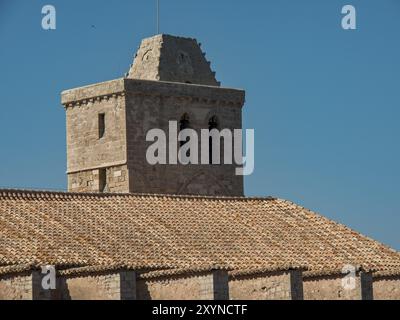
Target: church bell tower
[[169, 80]]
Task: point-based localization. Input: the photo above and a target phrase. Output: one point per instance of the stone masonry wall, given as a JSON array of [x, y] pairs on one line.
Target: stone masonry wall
[[270, 286], [206, 286], [132, 108], [116, 286], [86, 151], [146, 112], [210, 286], [185, 288], [117, 180], [330, 288], [102, 287], [169, 58], [387, 288], [16, 287]]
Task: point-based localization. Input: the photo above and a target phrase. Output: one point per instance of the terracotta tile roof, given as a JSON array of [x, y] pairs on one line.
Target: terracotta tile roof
[[151, 232]]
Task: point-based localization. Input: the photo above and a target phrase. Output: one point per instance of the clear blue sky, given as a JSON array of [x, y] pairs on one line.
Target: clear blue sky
[[324, 102]]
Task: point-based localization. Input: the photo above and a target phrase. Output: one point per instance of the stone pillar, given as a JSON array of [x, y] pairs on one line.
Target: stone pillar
[[215, 286], [39, 292], [366, 286], [296, 285], [118, 285], [127, 285], [121, 285], [356, 286]]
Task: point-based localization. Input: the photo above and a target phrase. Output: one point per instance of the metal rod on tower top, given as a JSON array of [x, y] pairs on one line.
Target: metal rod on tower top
[[158, 16]]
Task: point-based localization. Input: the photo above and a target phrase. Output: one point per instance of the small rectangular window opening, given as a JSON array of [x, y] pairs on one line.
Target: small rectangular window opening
[[102, 125], [102, 180]]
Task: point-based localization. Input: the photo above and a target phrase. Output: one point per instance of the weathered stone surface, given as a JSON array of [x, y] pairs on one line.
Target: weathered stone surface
[[28, 286], [171, 288], [387, 288], [270, 286], [145, 112], [136, 107], [116, 179], [85, 150], [207, 286], [16, 287], [176, 59], [102, 89], [115, 286], [170, 78], [331, 288]]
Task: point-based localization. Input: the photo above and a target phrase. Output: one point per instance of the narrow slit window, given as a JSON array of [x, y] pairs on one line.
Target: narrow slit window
[[212, 124], [184, 124], [102, 125], [103, 180]]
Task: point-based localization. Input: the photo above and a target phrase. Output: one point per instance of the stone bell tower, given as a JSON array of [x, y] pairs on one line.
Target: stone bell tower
[[107, 123]]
